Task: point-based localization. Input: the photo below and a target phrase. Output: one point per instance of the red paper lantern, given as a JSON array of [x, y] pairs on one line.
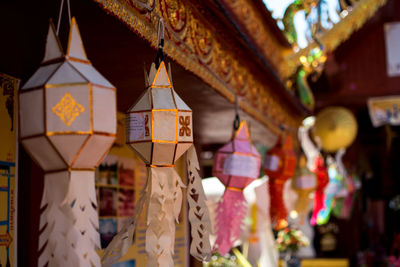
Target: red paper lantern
[[280, 165]]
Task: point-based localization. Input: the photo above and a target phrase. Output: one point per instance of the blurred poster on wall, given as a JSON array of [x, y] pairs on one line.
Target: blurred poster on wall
[[384, 110], [392, 41], [8, 149]]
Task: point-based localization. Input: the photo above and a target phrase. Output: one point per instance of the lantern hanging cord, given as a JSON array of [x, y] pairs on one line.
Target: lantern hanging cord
[[60, 14], [236, 122], [160, 39]]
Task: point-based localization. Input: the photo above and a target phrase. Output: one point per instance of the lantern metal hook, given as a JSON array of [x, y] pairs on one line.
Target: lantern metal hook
[[60, 14], [236, 122], [160, 39]]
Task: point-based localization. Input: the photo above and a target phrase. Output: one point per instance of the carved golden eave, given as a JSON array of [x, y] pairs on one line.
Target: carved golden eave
[[340, 32], [194, 42], [261, 28]]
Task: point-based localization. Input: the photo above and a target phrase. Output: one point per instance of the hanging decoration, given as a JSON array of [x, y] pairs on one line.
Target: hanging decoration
[[331, 190], [262, 250], [160, 131], [236, 164], [304, 183], [322, 181], [280, 165], [67, 115], [336, 128]]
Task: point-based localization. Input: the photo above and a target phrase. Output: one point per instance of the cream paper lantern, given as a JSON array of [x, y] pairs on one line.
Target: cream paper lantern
[[160, 131], [67, 120]]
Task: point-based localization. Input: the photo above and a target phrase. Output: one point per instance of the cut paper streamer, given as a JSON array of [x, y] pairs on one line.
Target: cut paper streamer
[[67, 124], [236, 164], [279, 165], [262, 250], [160, 131]]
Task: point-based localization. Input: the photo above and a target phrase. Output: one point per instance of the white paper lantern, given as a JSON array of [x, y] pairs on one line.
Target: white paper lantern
[[160, 123], [67, 124], [160, 130]]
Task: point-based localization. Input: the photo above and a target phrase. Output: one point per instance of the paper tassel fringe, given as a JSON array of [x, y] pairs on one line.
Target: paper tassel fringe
[[230, 213], [162, 196], [69, 221]]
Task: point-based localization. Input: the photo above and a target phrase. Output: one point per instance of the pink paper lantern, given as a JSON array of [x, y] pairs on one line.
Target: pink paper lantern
[[236, 164]]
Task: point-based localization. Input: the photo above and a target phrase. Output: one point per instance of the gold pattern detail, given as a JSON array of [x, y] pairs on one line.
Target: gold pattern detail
[[68, 109]]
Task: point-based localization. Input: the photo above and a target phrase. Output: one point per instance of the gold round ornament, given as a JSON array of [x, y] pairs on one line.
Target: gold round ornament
[[336, 128]]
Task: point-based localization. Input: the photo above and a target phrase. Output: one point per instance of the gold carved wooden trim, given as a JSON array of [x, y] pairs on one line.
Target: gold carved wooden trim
[[193, 42], [259, 30]]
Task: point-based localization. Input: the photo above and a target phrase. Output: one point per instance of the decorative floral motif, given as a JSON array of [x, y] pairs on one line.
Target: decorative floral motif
[[68, 109], [185, 122]]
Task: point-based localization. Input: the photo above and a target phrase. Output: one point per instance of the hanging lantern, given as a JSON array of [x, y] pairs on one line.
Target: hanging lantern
[[236, 164], [280, 165], [67, 114], [304, 183], [322, 181], [336, 127], [160, 131]]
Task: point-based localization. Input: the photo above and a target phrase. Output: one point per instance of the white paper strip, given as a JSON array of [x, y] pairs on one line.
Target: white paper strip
[[199, 216]]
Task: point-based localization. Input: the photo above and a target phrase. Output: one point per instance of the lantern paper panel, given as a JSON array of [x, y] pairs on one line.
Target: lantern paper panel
[[304, 183], [159, 130], [280, 164], [236, 164], [67, 124]]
